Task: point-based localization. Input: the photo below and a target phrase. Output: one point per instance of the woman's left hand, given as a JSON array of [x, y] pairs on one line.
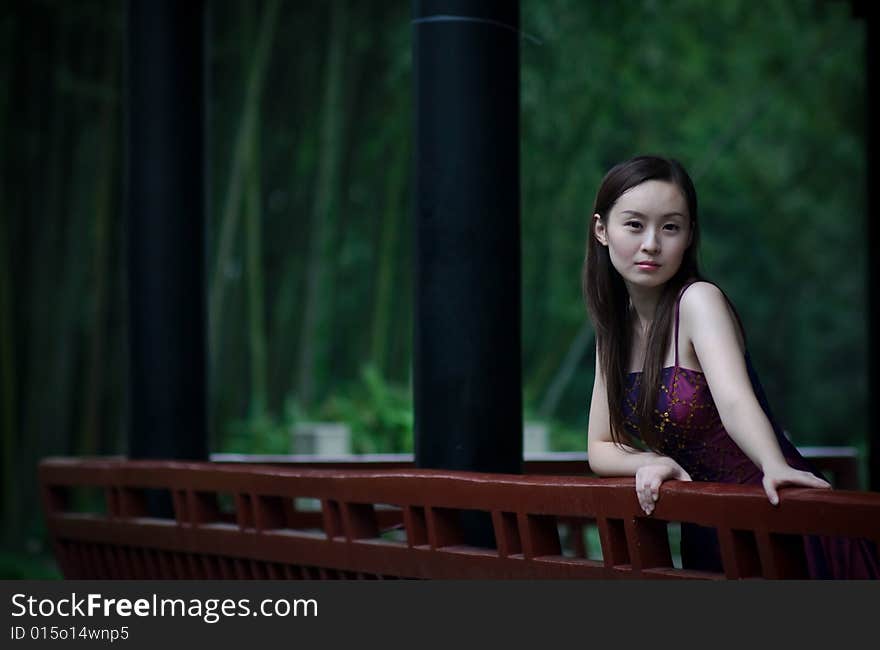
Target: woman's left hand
[[779, 475], [650, 476]]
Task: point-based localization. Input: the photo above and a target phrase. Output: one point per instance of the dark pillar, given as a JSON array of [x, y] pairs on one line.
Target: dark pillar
[[164, 199], [872, 150], [867, 11], [467, 370]]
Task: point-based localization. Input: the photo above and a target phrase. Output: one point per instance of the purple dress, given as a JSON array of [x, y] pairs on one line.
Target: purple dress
[[689, 431]]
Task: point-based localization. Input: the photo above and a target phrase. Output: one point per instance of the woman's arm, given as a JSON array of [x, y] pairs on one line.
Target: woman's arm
[[608, 459], [709, 325]]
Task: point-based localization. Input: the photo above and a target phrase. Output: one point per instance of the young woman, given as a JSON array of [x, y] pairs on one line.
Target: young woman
[[675, 395]]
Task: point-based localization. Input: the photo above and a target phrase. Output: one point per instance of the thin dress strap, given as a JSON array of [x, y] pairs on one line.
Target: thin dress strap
[[677, 306]]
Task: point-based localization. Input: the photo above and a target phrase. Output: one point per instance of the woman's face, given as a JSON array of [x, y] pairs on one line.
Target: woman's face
[[647, 233]]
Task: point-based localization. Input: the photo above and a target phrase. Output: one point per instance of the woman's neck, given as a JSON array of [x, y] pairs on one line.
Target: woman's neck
[[644, 303]]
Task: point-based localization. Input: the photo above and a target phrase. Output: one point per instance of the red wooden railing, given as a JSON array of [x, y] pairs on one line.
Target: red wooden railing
[[259, 521], [840, 465]]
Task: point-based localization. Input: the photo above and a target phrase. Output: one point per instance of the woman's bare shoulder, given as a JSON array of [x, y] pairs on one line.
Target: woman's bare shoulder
[[701, 297], [703, 304]]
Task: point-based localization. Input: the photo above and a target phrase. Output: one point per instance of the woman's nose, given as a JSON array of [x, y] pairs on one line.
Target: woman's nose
[[650, 243]]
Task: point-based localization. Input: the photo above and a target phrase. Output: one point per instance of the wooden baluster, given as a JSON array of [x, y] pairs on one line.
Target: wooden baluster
[[269, 512], [166, 565], [290, 514], [739, 554], [226, 569], [131, 502], [151, 564], [89, 570], [181, 571], [539, 535], [100, 564], [290, 572], [207, 567], [122, 562], [648, 541], [242, 571], [782, 556], [79, 560], [203, 507], [273, 571], [257, 572], [507, 533], [332, 519], [612, 536], [108, 552], [181, 512], [193, 566], [416, 526], [444, 527], [576, 529], [244, 515], [143, 563], [359, 521], [111, 502], [139, 563]]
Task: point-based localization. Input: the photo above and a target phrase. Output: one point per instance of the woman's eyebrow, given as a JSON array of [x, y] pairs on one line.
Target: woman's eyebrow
[[639, 214]]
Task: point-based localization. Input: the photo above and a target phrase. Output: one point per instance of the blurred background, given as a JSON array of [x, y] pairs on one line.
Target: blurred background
[[310, 242]]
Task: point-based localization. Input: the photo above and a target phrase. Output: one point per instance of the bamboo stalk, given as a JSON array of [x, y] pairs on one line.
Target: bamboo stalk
[[90, 434], [254, 266], [327, 186], [394, 188], [232, 203]]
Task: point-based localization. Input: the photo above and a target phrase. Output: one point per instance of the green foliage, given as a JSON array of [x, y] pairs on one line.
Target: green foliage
[[31, 558], [257, 435], [28, 566], [564, 437], [380, 414]]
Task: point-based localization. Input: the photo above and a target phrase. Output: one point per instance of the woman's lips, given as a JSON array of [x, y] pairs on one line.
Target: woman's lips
[[648, 266]]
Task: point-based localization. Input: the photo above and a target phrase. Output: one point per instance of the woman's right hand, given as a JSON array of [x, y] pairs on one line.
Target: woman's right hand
[[650, 476]]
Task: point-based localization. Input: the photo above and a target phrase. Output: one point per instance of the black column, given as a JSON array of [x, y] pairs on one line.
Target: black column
[[872, 150], [164, 199], [467, 369]]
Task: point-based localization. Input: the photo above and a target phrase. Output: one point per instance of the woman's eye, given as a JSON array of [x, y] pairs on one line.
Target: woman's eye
[[672, 227], [632, 224]]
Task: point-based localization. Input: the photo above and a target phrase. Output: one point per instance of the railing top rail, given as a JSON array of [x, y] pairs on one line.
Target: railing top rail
[[560, 456], [801, 510]]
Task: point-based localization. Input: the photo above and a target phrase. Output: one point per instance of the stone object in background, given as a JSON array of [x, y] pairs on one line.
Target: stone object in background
[[321, 438], [536, 437]]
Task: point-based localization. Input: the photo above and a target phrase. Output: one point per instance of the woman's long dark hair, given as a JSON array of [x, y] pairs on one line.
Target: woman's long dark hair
[[608, 301]]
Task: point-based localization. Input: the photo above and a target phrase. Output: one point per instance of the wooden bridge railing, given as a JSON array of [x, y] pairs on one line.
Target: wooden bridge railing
[[259, 521], [840, 465]]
